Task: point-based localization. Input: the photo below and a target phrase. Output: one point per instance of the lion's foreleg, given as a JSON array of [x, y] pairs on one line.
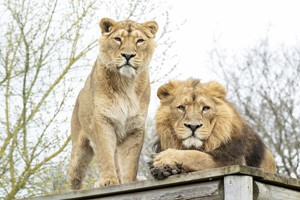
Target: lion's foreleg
[[194, 160], [176, 160], [104, 145]]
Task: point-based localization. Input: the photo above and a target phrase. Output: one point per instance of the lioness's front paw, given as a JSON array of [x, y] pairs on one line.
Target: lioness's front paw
[[106, 182], [162, 172]]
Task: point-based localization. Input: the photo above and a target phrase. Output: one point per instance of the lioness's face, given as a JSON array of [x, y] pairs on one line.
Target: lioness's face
[[127, 47]]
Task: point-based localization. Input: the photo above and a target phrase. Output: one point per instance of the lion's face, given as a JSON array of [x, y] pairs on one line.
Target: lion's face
[[191, 109], [127, 47], [192, 113]]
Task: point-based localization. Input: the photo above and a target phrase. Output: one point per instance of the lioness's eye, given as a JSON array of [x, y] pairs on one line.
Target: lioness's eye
[[117, 39], [181, 107], [139, 41], [205, 108]]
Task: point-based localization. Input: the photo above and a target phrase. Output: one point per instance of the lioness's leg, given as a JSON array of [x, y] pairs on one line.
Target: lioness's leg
[[104, 145], [81, 156], [129, 153]]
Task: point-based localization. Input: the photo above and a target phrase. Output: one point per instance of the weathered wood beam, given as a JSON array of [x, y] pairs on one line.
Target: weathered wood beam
[[238, 187], [229, 183], [266, 191]]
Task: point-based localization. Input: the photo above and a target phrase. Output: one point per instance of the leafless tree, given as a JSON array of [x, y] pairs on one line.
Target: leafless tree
[[44, 51], [38, 50], [264, 84]]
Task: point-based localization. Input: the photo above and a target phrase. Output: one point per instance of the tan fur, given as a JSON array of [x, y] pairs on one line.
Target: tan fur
[[221, 138], [109, 116]]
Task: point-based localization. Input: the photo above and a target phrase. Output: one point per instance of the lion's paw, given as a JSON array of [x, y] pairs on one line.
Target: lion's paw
[[162, 172]]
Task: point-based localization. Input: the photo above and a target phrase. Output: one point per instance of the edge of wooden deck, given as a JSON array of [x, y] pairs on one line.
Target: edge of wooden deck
[[177, 180]]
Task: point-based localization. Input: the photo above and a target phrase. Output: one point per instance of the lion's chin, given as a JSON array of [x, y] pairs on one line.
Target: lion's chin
[[128, 71], [192, 142]]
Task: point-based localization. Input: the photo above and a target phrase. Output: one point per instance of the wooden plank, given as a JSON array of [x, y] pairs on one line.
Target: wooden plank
[[176, 180], [238, 187], [264, 191], [273, 179], [208, 191], [180, 180]]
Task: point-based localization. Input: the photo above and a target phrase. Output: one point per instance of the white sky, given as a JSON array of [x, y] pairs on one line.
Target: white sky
[[235, 24]]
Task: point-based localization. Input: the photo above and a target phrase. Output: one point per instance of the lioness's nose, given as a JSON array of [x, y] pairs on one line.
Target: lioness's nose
[[193, 127], [128, 56]]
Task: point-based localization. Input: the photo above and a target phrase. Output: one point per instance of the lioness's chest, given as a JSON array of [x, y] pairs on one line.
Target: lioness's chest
[[119, 109]]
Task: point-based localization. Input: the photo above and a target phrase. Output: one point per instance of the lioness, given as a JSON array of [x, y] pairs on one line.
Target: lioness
[[109, 115], [199, 129]]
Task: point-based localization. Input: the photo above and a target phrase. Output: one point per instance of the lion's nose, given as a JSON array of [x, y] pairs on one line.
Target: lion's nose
[[127, 56], [193, 127]]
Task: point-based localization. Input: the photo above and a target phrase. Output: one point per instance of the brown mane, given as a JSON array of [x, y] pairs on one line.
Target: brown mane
[[197, 126]]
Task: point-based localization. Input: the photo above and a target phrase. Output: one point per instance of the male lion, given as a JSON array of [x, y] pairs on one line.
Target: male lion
[[199, 129], [109, 115]]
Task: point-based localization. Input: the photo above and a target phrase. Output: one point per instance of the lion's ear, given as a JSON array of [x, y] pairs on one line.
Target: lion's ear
[[165, 92], [152, 26], [215, 89], [106, 25]]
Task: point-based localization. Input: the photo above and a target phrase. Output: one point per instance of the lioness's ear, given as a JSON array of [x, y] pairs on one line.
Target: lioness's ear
[[106, 25], [215, 89], [165, 92], [152, 26]]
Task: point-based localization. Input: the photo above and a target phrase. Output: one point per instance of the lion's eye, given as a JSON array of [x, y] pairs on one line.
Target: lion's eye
[[181, 107], [205, 108], [140, 41], [117, 39]]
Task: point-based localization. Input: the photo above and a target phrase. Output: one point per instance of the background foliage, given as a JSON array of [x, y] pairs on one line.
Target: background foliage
[[263, 82]]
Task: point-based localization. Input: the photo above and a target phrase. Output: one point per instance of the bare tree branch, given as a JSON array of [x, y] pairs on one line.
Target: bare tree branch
[[263, 82]]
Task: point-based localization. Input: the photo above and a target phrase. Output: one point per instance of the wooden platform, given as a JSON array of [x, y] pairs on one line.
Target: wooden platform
[[229, 183]]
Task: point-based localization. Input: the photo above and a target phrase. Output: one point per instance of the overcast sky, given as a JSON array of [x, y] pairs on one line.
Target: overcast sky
[[234, 24]]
